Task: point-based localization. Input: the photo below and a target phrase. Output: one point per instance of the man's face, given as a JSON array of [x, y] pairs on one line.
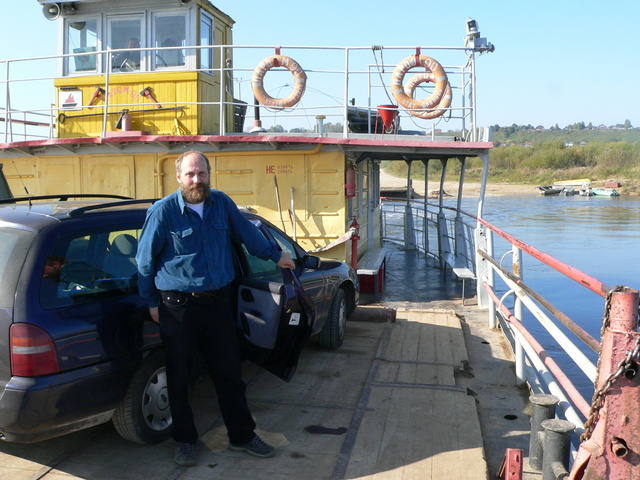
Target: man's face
[[52, 269], [193, 178]]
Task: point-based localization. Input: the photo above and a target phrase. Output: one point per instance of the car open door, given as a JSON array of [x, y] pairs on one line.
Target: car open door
[[275, 319]]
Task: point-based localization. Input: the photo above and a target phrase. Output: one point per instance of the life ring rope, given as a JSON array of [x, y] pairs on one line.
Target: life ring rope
[[443, 104], [434, 105], [299, 82]]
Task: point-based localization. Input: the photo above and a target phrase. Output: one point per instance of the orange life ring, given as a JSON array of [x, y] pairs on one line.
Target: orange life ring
[[439, 76], [445, 99], [299, 78]]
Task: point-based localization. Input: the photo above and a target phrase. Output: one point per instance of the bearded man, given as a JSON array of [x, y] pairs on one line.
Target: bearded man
[[185, 265]]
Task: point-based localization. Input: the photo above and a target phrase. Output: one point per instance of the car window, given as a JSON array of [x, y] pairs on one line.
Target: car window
[[15, 245], [268, 269], [90, 266]]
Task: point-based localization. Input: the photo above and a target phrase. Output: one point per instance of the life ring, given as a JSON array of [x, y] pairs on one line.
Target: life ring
[[438, 76], [299, 79], [445, 99]]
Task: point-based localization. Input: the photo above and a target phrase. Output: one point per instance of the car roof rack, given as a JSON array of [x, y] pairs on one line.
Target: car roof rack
[[129, 201], [61, 198]]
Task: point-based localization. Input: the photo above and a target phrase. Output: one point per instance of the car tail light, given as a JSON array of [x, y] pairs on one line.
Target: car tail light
[[32, 351]]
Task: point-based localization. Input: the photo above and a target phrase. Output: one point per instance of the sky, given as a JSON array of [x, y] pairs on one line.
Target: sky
[[555, 62]]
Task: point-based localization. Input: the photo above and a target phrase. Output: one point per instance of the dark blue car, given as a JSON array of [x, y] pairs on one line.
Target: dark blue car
[[77, 346]]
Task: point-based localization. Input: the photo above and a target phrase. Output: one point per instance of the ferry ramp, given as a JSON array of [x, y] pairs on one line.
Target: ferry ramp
[[408, 396]]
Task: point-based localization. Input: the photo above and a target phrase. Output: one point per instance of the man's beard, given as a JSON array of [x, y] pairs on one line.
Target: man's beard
[[196, 193]]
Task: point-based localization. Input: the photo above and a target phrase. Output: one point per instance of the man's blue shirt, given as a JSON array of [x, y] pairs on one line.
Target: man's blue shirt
[[180, 251]]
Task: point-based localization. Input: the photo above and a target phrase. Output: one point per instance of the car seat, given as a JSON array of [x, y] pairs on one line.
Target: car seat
[[120, 261]]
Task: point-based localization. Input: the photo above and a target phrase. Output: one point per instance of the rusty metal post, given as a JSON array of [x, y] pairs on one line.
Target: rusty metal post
[[556, 448], [611, 444], [544, 408]]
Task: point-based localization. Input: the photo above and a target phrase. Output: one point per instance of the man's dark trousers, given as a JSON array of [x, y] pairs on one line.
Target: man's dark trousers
[[203, 323]]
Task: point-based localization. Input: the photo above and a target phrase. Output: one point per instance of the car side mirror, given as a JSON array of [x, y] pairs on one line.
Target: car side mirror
[[311, 262]]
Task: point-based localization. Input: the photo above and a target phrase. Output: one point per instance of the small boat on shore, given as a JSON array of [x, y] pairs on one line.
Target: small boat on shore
[[605, 192], [549, 190], [572, 183]]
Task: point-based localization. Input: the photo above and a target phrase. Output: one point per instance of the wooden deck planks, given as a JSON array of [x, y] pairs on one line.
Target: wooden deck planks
[[418, 433], [418, 424]]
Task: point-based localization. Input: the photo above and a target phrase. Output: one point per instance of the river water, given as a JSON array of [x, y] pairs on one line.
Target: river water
[[598, 235]]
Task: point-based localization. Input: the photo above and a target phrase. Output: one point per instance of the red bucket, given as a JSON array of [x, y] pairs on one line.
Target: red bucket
[[388, 114]]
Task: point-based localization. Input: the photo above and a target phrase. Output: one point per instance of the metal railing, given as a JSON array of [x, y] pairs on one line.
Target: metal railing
[[357, 80], [499, 284], [424, 226]]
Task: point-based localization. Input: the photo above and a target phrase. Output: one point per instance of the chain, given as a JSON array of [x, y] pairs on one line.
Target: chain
[[600, 394]]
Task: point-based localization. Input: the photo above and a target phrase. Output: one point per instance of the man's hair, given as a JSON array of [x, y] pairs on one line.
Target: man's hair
[[196, 152]]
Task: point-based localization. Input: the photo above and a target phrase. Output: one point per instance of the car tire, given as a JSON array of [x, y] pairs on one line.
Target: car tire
[[332, 334], [143, 416]]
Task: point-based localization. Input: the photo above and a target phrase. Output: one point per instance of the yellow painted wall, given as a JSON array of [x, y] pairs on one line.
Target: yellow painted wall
[[170, 90], [316, 177]]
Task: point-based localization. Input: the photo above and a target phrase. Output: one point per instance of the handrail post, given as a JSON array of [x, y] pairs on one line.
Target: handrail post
[[107, 77], [8, 123], [409, 235], [518, 313], [425, 213], [345, 125]]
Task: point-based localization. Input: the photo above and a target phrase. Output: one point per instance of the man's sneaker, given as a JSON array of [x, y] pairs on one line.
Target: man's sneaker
[[255, 447], [185, 454]]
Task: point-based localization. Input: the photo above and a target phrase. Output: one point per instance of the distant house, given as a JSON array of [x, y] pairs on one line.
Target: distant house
[[568, 144], [528, 144]]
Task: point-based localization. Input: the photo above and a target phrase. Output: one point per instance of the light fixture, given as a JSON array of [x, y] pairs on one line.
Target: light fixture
[[473, 39], [472, 28]]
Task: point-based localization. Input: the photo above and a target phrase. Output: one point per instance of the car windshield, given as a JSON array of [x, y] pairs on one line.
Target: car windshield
[[15, 245]]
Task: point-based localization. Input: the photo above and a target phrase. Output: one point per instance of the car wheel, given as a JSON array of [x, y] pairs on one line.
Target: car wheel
[[332, 334], [144, 415]]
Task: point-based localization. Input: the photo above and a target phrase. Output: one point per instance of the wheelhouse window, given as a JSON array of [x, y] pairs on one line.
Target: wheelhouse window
[[126, 33], [81, 38], [170, 34], [206, 39]]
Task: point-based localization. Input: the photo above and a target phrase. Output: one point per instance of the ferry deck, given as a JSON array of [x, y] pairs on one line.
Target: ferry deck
[[421, 388]]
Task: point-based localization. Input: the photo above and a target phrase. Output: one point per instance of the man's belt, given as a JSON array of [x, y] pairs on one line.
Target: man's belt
[[208, 294]]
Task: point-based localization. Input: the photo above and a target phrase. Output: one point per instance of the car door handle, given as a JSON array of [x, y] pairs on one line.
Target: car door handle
[[246, 295]]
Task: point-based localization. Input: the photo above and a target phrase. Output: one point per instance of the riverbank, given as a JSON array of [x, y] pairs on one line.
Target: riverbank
[[495, 189], [471, 189]]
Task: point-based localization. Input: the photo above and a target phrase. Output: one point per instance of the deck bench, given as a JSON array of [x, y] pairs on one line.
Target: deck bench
[[464, 274], [371, 270]]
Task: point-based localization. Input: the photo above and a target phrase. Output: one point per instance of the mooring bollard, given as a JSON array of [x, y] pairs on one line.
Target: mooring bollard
[[556, 448], [544, 408]]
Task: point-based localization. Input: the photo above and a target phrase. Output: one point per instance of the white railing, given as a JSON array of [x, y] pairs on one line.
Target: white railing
[[355, 80]]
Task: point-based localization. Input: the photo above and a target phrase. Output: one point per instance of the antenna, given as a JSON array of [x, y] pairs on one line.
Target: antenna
[[23, 185]]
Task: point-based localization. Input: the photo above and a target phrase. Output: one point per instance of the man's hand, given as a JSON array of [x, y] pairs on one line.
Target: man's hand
[[286, 261], [155, 316]]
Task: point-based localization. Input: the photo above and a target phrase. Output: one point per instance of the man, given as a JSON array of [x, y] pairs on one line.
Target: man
[[186, 268]]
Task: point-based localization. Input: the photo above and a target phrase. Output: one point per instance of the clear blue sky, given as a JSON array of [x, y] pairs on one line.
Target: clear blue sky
[[561, 61]]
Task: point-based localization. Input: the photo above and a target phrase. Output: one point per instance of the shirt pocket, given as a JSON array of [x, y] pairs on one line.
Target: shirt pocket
[[185, 242]]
